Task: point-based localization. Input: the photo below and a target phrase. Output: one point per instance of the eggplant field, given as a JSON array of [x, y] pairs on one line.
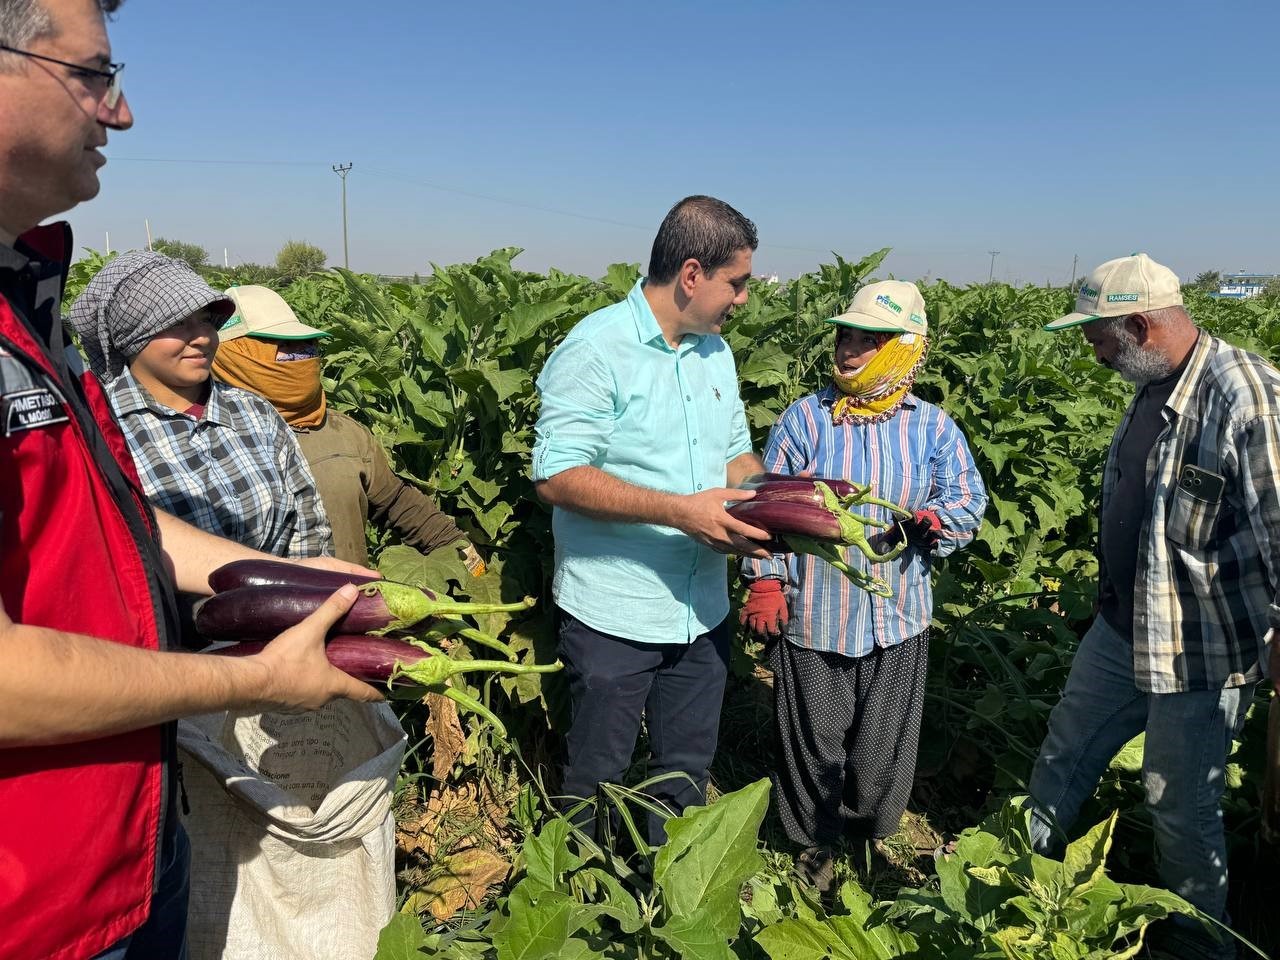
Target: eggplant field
[[443, 371]]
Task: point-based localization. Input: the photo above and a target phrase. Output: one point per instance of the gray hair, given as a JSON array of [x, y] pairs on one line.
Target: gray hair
[[22, 21], [1160, 317]]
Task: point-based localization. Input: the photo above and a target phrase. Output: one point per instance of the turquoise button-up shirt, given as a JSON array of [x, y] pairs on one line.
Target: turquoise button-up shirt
[[617, 397]]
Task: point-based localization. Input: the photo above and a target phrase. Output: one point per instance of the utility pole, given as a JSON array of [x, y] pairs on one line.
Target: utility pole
[[1075, 258], [147, 224], [108, 243], [992, 271], [342, 169]]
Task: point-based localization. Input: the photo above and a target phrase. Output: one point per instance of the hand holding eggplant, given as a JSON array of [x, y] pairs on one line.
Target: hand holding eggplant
[[815, 515], [703, 517], [296, 674]]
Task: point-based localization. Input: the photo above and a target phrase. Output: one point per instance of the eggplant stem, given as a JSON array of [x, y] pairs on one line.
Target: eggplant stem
[[470, 703]]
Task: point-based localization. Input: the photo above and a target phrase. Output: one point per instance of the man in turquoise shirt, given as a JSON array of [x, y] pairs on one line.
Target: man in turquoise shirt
[[641, 434]]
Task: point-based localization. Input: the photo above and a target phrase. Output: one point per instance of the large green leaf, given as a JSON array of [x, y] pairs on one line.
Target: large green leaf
[[539, 924], [617, 902], [547, 856], [710, 852], [1085, 859], [837, 938], [432, 571], [401, 939], [526, 319]]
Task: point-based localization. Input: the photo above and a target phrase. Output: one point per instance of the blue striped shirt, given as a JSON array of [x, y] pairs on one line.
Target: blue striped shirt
[[919, 459]]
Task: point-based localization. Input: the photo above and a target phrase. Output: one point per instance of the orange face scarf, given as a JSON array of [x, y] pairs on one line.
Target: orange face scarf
[[292, 386]]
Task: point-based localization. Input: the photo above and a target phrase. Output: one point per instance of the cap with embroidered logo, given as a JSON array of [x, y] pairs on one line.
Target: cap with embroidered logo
[[1120, 287], [261, 312], [888, 306]]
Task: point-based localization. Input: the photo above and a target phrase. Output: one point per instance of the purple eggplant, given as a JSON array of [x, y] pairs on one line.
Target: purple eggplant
[[383, 606], [779, 517], [275, 573], [371, 659], [403, 664], [783, 486]]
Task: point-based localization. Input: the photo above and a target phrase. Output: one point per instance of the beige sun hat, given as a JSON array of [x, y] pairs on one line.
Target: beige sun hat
[[889, 306], [1120, 287], [261, 312]]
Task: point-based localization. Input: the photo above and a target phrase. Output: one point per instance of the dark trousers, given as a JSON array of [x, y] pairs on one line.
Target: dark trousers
[[678, 687], [848, 729]]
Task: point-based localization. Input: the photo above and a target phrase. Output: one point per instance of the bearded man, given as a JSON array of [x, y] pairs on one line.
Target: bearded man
[[1189, 561]]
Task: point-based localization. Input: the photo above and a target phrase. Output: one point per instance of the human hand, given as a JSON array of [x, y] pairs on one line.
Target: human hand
[[923, 530], [297, 674], [703, 516], [336, 565], [766, 608]]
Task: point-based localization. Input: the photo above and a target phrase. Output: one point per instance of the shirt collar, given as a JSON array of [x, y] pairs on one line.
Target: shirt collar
[[647, 329], [1182, 400], [828, 397], [129, 396]]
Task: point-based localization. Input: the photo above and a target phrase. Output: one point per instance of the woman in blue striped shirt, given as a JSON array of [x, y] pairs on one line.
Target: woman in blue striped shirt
[[849, 667]]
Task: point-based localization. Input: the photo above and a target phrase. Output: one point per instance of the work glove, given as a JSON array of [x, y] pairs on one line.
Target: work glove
[[766, 608], [923, 530]]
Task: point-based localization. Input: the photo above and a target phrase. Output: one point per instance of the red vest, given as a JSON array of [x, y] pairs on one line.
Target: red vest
[[79, 824]]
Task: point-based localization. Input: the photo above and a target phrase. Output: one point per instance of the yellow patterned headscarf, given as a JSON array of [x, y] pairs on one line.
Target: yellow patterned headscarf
[[875, 392]]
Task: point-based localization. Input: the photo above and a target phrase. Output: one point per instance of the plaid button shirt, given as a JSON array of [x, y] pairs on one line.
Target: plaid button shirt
[[1209, 555], [236, 472]]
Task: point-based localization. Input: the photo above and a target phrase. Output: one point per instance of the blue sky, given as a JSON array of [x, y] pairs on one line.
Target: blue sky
[[944, 130]]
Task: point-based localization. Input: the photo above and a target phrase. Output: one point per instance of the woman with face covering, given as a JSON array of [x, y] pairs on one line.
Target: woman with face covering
[[220, 458], [266, 349], [849, 666], [224, 460]]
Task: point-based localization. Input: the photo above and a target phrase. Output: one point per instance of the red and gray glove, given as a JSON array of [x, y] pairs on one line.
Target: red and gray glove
[[923, 530], [766, 608]]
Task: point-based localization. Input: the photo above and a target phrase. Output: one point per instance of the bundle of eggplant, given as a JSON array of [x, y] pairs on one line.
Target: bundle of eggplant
[[816, 515], [381, 639]]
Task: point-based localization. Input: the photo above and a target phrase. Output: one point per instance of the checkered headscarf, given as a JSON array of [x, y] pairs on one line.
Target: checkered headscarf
[[133, 298]]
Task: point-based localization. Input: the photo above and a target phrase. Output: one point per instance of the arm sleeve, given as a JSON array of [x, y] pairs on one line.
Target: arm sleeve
[[578, 410], [312, 535], [407, 510], [786, 451], [1257, 448], [957, 495]]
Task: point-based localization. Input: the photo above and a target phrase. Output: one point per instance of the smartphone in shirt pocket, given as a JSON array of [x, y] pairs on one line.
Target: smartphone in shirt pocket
[[1194, 509]]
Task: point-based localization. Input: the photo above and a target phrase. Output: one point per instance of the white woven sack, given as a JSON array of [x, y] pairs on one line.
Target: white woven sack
[[292, 835]]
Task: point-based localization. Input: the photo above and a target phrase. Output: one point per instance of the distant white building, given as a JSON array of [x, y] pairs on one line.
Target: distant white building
[[1241, 286]]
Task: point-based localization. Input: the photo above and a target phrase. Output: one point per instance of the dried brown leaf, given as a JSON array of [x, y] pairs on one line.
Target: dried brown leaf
[[447, 739], [461, 880]]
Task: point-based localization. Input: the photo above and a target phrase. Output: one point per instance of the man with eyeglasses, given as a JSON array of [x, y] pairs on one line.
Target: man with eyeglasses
[[92, 859]]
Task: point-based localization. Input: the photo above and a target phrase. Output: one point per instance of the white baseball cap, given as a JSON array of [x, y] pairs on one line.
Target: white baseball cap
[[1123, 286], [261, 312], [888, 306]]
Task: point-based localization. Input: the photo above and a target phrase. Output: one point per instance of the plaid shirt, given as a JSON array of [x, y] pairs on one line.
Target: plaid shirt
[[236, 472], [919, 459], [1209, 560]]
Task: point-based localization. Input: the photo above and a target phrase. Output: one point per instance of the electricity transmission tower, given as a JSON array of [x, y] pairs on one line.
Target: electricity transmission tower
[[992, 271], [342, 169]]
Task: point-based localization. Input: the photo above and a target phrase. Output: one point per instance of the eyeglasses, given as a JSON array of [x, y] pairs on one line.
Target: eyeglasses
[[111, 75]]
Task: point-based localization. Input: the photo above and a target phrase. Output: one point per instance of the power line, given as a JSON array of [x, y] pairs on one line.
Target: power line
[[475, 195]]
